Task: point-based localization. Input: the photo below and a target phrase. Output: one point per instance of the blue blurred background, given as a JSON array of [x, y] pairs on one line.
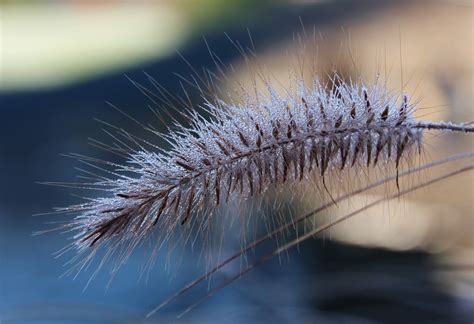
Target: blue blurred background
[[62, 60]]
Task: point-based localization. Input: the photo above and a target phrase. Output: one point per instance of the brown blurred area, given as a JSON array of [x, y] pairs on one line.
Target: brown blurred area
[[428, 47]]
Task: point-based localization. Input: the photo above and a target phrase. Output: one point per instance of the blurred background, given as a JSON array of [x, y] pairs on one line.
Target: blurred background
[[62, 61]]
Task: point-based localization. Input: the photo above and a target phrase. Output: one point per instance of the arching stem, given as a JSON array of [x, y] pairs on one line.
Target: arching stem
[[319, 230], [302, 218], [465, 128]]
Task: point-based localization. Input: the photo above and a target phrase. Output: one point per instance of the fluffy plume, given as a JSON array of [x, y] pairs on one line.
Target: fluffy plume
[[243, 150]]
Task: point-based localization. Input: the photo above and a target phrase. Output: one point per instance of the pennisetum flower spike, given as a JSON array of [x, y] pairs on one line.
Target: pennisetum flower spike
[[246, 148], [264, 141]]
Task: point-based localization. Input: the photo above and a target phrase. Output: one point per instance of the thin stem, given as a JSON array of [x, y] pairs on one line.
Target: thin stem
[[302, 218], [445, 126], [319, 230]]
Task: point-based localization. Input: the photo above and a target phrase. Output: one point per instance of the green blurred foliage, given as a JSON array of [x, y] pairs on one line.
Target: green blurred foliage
[[209, 14]]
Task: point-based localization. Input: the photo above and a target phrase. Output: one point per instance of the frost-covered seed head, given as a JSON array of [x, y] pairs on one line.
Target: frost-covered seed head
[[244, 150]]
